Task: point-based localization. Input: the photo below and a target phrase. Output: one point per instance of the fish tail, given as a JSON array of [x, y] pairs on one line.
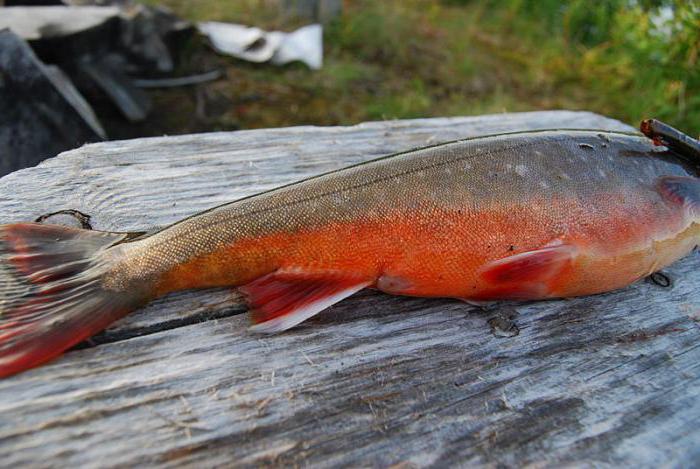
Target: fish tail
[[51, 291]]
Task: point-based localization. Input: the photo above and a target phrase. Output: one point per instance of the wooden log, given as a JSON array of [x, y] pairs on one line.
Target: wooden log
[[41, 112], [60, 34], [377, 380]]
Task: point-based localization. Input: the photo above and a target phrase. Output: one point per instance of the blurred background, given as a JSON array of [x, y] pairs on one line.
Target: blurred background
[[396, 59], [74, 71]]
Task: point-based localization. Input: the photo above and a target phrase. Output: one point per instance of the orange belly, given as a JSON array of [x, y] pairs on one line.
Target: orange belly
[[570, 251]]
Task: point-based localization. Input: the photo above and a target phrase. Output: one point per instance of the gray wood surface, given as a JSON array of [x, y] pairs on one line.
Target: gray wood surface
[[376, 380]]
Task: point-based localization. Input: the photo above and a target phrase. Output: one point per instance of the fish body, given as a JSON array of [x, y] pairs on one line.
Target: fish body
[[430, 222], [522, 216]]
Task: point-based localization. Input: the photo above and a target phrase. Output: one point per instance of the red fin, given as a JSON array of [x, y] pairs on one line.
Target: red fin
[[682, 190], [283, 299], [526, 275], [51, 294], [531, 266], [514, 291]]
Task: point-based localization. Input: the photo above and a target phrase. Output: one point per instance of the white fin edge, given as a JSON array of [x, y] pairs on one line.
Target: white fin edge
[[290, 320]]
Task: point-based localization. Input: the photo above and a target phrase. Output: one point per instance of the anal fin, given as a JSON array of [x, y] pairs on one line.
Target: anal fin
[[283, 299]]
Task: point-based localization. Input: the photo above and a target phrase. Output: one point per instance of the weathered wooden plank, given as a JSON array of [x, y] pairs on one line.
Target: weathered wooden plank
[[377, 380]]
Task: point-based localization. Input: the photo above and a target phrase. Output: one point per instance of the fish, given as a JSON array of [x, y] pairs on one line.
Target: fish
[[518, 216]]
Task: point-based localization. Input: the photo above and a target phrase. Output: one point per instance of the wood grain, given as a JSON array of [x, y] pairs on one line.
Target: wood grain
[[377, 380]]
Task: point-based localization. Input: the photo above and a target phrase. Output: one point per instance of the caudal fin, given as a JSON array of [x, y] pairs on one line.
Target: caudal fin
[[51, 291]]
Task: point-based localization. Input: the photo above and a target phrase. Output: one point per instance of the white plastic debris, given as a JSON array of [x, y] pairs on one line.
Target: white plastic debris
[[256, 45], [304, 44]]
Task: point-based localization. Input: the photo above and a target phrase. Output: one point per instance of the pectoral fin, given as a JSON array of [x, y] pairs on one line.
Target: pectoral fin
[[537, 265], [682, 190], [528, 275], [285, 298]]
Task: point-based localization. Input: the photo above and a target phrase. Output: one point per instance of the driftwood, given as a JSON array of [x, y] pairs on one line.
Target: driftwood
[[375, 381]]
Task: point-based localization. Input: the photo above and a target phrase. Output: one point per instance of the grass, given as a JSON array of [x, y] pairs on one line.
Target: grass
[[394, 59]]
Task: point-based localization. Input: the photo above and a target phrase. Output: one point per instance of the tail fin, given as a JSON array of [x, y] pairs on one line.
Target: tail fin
[[51, 294]]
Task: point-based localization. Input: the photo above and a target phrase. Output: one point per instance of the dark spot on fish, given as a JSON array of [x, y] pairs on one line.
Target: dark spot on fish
[[511, 248], [604, 137], [586, 146]]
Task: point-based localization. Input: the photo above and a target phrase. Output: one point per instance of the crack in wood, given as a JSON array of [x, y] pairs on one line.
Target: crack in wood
[[108, 337]]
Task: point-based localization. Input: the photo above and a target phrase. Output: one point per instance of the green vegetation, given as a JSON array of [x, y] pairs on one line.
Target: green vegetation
[[389, 59]]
